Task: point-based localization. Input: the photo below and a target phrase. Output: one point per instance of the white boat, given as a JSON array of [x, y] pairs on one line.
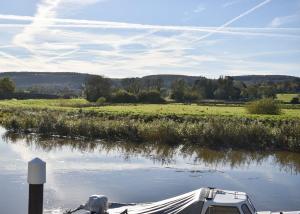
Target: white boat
[[201, 201]]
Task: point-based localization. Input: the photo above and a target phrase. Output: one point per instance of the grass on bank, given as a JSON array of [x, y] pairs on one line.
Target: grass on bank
[[216, 132], [193, 110]]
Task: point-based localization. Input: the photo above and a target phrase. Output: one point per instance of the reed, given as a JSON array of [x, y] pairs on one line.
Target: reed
[[213, 131]]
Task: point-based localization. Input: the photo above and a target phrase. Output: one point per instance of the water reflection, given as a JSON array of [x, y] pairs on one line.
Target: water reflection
[[163, 154], [129, 172]]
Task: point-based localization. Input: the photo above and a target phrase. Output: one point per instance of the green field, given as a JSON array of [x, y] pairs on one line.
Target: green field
[[286, 97], [194, 110]]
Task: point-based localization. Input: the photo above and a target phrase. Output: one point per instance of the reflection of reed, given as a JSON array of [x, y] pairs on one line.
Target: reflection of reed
[[163, 153]]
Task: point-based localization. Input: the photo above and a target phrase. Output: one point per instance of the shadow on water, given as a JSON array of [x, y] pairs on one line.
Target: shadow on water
[[163, 154]]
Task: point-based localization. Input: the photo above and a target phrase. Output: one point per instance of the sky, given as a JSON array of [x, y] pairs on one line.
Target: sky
[[134, 38]]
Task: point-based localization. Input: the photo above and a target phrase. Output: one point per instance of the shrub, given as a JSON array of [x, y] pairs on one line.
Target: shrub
[[295, 100], [101, 100], [123, 96], [150, 97], [264, 106]]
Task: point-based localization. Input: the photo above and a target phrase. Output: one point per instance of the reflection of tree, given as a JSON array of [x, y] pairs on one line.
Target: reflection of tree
[[233, 158], [288, 161], [163, 153]]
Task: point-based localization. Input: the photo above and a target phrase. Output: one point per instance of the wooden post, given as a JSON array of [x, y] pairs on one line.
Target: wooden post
[[36, 179]]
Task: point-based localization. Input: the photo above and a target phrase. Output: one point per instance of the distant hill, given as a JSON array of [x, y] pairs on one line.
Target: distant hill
[[75, 81], [254, 79], [169, 78], [23, 80]]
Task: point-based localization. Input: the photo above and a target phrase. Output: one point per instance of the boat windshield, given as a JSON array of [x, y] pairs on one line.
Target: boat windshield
[[251, 205]]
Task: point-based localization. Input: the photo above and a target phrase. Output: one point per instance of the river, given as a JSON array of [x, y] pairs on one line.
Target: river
[[128, 172]]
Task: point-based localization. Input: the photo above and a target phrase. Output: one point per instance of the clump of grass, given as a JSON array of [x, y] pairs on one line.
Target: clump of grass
[[264, 106], [161, 131]]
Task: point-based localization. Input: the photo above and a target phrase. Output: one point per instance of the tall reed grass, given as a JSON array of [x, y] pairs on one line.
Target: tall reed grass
[[214, 131]]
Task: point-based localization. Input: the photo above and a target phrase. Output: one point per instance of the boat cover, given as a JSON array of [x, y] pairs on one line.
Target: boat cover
[[189, 203]]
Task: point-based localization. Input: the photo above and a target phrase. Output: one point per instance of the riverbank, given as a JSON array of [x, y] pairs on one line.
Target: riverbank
[[216, 126]]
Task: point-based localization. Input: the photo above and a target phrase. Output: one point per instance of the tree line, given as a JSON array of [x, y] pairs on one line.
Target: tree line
[[141, 90], [132, 90]]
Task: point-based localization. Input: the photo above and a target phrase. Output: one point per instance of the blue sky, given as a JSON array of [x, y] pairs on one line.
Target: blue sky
[[128, 38]]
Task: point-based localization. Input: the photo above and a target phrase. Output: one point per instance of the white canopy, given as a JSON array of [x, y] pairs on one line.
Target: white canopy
[[189, 203]]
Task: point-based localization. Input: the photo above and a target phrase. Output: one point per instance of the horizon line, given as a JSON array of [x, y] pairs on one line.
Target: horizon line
[[160, 74]]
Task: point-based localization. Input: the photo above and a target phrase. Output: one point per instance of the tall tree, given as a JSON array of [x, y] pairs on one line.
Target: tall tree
[[97, 86], [153, 84], [7, 85], [178, 88], [132, 85], [205, 87]]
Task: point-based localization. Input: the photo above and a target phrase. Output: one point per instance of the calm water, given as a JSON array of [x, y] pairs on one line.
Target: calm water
[[136, 173]]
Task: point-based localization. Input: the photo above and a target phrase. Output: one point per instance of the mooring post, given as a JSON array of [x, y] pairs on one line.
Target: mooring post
[[36, 178]]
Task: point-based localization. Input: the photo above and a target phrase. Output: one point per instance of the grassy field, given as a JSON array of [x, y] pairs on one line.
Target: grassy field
[[228, 126], [286, 97], [193, 110]]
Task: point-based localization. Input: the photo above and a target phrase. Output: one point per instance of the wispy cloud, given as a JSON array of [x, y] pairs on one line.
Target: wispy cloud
[[45, 17], [191, 14], [45, 11], [200, 8], [79, 23], [283, 20], [237, 18], [231, 3]]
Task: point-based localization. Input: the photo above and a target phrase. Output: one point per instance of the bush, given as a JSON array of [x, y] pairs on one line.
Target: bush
[[295, 100], [150, 97], [264, 106], [101, 100], [123, 96]]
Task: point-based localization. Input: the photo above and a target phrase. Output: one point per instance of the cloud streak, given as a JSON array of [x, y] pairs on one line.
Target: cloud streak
[[237, 18], [46, 10], [231, 3], [77, 23]]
